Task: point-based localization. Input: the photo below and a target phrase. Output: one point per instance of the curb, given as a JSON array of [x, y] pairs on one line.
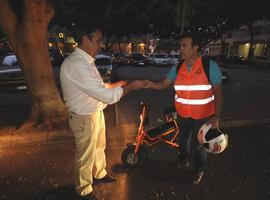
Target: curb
[[227, 123], [10, 139]]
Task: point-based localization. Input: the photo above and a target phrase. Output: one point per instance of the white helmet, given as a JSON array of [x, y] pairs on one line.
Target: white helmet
[[213, 140]]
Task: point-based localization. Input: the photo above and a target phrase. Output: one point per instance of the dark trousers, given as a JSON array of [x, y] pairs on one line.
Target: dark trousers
[[189, 147]]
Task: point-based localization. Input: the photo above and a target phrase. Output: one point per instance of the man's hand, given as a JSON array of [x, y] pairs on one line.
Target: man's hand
[[137, 84], [214, 120], [133, 85], [157, 85], [121, 83], [148, 84]]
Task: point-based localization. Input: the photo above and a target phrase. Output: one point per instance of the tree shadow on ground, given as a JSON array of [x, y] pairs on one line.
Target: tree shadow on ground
[[157, 170], [119, 168], [13, 116], [165, 172], [65, 192], [156, 179]]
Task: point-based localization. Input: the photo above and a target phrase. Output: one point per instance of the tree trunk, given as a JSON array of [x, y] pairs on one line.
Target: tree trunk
[[28, 39], [251, 47], [119, 46], [222, 45]]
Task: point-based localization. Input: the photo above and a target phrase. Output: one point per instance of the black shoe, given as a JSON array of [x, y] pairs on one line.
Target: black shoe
[[105, 179], [90, 196], [197, 178]]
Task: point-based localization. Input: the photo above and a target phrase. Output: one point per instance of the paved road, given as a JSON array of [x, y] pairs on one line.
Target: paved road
[[246, 95]]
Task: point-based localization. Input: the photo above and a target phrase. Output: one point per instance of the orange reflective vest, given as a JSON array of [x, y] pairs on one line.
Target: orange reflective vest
[[194, 94]]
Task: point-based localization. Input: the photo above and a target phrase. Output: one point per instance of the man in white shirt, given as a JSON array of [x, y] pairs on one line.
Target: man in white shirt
[[86, 95]]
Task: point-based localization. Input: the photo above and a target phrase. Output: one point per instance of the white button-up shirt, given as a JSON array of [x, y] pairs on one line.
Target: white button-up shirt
[[83, 88]]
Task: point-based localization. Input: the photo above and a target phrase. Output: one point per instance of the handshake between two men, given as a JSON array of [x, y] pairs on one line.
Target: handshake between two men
[[133, 85], [138, 84]]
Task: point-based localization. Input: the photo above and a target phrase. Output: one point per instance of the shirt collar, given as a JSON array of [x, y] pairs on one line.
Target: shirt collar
[[81, 52]]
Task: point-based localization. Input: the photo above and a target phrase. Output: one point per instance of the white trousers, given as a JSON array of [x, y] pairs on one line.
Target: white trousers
[[90, 143]]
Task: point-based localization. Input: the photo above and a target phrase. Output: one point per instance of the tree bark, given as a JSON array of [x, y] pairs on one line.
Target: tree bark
[[28, 39], [251, 47]]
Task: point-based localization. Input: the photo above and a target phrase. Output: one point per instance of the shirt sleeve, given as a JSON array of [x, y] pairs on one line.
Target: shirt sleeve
[[171, 75], [87, 79], [215, 73]]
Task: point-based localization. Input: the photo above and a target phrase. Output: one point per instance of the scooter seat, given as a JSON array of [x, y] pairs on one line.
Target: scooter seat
[[160, 129]]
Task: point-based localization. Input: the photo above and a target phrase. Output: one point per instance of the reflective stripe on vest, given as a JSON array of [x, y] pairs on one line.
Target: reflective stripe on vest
[[194, 93], [194, 101], [192, 87]]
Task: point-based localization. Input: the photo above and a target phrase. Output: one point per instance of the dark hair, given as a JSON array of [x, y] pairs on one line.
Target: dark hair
[[85, 30], [196, 39]]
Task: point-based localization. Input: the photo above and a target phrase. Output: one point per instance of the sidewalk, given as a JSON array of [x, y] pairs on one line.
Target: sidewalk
[[44, 171]]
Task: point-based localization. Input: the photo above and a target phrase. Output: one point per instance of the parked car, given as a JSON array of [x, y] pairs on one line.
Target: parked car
[[225, 74], [104, 65], [146, 58], [159, 59], [174, 58], [220, 59], [121, 58], [137, 59], [11, 76], [236, 60], [260, 60]]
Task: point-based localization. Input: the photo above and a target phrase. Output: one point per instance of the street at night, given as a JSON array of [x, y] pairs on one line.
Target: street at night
[[45, 170], [134, 100]]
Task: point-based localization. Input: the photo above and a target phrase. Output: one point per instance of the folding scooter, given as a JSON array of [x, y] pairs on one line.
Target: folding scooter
[[135, 153]]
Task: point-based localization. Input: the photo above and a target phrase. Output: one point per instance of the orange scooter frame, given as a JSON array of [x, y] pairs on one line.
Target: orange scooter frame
[[135, 153]]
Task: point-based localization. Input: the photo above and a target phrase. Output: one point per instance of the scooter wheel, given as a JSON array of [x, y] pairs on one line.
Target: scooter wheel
[[132, 160]]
